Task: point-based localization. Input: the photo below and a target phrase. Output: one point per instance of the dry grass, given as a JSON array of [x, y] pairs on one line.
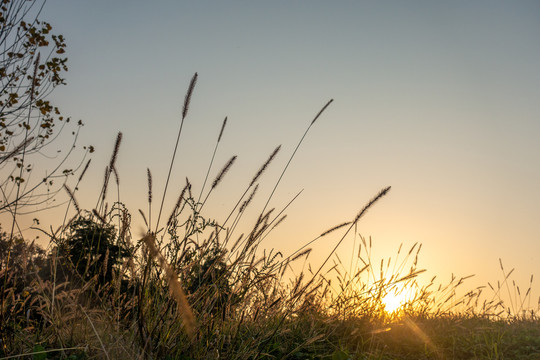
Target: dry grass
[[197, 289]]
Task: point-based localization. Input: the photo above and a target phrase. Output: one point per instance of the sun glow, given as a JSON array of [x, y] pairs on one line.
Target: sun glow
[[393, 301]]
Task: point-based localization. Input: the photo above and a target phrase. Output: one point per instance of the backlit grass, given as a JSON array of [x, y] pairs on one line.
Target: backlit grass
[[188, 287]]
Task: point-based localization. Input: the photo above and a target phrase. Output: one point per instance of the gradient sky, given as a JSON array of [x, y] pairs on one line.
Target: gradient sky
[[440, 100]]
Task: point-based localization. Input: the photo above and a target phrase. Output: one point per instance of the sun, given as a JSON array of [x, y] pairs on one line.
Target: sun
[[393, 301]]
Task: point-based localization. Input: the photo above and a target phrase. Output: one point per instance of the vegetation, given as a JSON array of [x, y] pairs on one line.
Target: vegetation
[[32, 65], [193, 288]]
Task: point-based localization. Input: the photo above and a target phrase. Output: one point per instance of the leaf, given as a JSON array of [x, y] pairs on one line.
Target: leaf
[[340, 355], [39, 352]]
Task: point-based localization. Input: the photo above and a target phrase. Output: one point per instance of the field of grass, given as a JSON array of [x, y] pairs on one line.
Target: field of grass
[[192, 288]]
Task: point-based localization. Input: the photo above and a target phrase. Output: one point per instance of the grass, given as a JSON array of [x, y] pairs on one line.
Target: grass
[[193, 288]]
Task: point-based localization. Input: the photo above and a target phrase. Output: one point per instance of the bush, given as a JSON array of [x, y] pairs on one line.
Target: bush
[[91, 249]]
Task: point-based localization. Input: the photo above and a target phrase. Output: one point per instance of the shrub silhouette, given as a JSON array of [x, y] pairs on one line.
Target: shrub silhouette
[[25, 260], [91, 249], [208, 279]]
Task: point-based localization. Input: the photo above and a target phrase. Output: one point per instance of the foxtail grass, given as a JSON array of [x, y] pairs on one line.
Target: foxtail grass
[[197, 288]]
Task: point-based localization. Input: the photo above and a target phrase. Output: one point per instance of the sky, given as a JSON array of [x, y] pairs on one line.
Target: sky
[[437, 99]]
